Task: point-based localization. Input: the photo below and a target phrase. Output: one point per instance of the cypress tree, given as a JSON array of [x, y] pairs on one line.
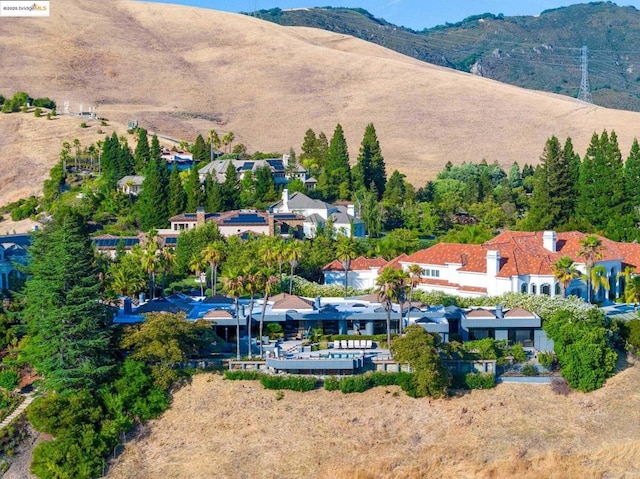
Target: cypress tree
[[153, 209], [142, 153], [370, 168], [177, 196], [194, 190], [69, 328]]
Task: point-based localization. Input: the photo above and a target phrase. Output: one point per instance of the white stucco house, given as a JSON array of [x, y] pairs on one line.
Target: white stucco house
[[363, 272], [317, 213], [518, 261]]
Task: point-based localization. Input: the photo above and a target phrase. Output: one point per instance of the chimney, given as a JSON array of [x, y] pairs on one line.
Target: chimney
[[351, 211], [126, 306], [549, 241], [317, 303], [499, 311], [493, 263], [285, 200], [200, 216]]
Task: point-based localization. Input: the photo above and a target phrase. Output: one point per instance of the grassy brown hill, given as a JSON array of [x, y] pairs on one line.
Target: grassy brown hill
[[225, 429], [181, 70]]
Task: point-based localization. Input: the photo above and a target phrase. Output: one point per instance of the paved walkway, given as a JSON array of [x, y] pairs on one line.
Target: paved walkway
[[28, 399]]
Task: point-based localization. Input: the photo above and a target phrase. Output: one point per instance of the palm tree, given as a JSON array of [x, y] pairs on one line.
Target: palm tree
[[632, 290], [387, 291], [415, 274], [279, 252], [269, 282], [233, 284], [591, 250], [345, 252], [76, 144], [565, 271], [293, 253], [197, 265], [402, 283], [227, 140], [166, 262], [599, 278], [149, 262], [125, 282], [251, 286], [214, 142], [213, 254]]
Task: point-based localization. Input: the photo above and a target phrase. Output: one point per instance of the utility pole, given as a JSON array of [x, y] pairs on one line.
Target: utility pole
[[585, 92]]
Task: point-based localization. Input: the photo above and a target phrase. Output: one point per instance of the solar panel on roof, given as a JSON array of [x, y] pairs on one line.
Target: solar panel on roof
[[171, 240]]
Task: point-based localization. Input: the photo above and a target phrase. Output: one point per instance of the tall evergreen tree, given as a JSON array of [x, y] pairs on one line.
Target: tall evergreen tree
[[194, 190], [153, 209], [213, 194], [370, 168], [177, 196], [335, 179], [632, 177], [230, 189], [199, 150], [601, 185], [155, 151], [68, 327], [142, 153]]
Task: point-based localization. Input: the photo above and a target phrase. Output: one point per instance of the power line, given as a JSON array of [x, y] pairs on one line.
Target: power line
[[585, 93]]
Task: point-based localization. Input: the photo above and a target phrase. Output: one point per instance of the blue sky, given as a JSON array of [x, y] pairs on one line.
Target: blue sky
[[416, 14]]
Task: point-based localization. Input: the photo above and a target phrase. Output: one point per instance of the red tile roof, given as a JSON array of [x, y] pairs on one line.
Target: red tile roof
[[521, 253], [359, 264]]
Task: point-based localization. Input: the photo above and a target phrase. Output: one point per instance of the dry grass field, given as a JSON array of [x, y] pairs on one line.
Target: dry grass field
[[225, 429], [182, 70]]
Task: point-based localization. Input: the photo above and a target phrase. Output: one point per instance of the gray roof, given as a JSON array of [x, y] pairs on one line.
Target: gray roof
[[132, 179]]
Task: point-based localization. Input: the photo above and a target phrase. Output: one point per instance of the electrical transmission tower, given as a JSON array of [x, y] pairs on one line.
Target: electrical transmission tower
[[585, 92]]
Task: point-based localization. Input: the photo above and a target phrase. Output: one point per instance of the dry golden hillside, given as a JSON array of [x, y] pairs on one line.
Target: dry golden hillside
[[182, 70], [227, 429]]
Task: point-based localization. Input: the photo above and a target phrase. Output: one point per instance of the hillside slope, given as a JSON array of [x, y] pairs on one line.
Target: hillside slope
[[181, 70], [540, 52], [223, 429]]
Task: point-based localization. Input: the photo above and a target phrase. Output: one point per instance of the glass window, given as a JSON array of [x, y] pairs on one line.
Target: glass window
[[524, 288]]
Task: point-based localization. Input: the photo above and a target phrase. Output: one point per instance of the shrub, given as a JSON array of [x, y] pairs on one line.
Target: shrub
[[83, 124], [355, 384], [274, 330], [9, 379], [44, 103], [633, 339], [241, 375], [332, 383], [546, 360], [517, 351], [293, 383], [529, 370], [37, 112], [479, 381]]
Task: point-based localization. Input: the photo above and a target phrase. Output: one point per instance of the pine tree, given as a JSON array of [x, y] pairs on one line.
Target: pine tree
[[230, 189], [142, 153], [335, 179], [632, 177], [213, 194], [194, 190], [601, 183], [153, 210], [177, 196], [69, 328], [370, 169], [155, 151], [200, 151]]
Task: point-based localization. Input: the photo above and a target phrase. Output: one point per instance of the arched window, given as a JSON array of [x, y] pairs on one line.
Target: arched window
[[534, 290], [557, 289], [545, 289], [524, 288]]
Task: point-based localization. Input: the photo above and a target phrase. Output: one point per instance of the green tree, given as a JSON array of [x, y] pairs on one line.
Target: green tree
[[269, 285], [142, 154], [213, 254], [165, 340], [233, 284], [177, 195], [420, 350], [388, 286], [199, 150], [213, 194], [153, 211], [335, 179], [68, 327], [599, 279], [346, 252], [415, 275], [230, 189], [370, 169], [193, 241], [293, 255], [155, 150]]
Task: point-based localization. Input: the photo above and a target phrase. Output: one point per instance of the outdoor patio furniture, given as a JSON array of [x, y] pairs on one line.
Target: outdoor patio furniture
[[350, 343], [336, 344], [369, 344], [343, 344]]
